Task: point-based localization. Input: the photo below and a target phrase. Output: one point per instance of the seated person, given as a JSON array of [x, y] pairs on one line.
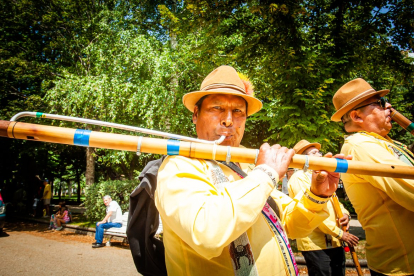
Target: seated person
[[113, 218], [61, 216]]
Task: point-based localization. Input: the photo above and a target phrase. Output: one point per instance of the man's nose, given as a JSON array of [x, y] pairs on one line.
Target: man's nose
[[227, 119], [388, 105]]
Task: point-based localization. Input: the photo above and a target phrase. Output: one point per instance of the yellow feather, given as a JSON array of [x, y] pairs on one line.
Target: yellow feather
[[247, 84]]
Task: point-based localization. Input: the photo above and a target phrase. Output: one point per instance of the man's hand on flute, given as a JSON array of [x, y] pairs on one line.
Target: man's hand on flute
[[344, 221], [324, 183], [350, 239], [276, 157], [347, 237]]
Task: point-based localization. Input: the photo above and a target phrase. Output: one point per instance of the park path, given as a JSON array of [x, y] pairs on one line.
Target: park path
[[27, 249]]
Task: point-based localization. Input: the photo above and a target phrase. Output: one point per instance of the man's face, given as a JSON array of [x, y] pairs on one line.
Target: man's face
[[289, 173], [221, 115], [374, 117], [312, 151], [107, 201]]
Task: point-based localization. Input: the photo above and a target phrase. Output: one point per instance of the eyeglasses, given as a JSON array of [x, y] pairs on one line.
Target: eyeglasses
[[314, 152], [381, 102]]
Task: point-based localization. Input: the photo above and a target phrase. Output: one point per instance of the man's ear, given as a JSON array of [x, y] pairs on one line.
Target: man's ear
[[195, 115], [354, 115]]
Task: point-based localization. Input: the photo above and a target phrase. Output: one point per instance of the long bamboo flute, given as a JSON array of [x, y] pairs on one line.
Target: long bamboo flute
[[87, 138], [402, 121], [339, 214]]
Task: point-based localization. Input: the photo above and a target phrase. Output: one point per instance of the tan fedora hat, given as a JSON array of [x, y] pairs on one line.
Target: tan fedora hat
[[223, 80], [303, 145], [351, 94]]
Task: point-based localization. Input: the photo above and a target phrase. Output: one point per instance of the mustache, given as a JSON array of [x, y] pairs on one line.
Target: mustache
[[226, 132]]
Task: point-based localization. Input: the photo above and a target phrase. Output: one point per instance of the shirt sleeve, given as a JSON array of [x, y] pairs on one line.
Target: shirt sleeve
[[112, 207], [204, 217], [299, 183], [344, 210], [304, 212], [399, 190], [329, 226]]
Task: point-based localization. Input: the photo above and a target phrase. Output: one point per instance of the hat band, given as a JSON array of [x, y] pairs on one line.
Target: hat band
[[223, 88], [360, 96]]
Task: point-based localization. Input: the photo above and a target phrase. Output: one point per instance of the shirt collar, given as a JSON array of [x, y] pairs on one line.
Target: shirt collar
[[376, 135]]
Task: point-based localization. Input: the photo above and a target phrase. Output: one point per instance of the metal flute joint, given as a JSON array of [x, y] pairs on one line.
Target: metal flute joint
[[113, 125]]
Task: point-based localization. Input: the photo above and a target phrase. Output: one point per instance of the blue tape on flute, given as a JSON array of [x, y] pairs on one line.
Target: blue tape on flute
[[81, 137], [341, 166], [173, 147]]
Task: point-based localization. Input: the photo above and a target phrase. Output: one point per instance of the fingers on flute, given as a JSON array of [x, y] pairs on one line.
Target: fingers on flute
[[328, 155], [338, 155], [264, 146]]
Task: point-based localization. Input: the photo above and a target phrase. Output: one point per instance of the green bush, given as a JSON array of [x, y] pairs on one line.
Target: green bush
[[118, 190], [348, 205]]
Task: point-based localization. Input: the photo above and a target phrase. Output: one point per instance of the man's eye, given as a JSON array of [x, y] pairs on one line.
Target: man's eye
[[237, 110], [217, 107]]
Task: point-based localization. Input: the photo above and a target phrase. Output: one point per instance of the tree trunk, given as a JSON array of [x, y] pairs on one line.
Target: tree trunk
[[70, 188], [90, 166], [51, 189], [79, 185], [60, 190]]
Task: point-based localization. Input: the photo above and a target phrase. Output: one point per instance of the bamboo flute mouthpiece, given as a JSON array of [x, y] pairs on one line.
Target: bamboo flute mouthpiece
[[402, 121], [139, 144]]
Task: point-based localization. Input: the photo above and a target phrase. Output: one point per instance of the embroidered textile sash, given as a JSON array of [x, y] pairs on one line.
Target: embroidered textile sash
[[403, 153], [400, 150], [241, 246]]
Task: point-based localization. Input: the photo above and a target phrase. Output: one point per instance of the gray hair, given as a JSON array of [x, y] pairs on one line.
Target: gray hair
[[347, 117], [107, 196]]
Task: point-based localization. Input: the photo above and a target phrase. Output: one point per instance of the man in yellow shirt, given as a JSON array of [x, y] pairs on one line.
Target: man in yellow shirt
[[322, 249], [218, 219], [384, 205], [47, 196]]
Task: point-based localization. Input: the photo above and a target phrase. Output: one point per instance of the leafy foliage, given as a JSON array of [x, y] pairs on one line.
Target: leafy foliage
[[118, 190], [131, 62]]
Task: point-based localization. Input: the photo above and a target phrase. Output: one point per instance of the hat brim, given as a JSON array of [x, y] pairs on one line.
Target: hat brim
[[316, 145], [190, 99], [336, 117]]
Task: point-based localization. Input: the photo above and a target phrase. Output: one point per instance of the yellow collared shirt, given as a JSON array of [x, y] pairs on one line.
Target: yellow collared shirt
[[200, 221], [385, 206], [47, 192], [328, 233]]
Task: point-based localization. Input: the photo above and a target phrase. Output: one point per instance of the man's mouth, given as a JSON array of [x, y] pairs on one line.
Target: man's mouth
[[228, 136]]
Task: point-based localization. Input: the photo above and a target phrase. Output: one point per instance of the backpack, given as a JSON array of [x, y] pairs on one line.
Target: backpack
[[143, 221]]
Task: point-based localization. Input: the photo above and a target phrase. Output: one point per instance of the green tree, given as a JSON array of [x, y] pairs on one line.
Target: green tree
[[298, 53]]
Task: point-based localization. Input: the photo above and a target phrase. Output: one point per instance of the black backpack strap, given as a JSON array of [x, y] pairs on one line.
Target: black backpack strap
[[143, 221], [270, 200]]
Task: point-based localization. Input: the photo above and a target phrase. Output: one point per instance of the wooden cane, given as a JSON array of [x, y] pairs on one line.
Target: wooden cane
[[87, 138], [339, 215], [402, 121]]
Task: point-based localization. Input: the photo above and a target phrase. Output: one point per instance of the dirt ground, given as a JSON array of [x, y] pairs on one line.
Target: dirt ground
[[30, 249]]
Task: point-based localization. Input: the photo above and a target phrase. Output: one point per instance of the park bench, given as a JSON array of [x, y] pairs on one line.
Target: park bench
[[118, 232], [121, 232]]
